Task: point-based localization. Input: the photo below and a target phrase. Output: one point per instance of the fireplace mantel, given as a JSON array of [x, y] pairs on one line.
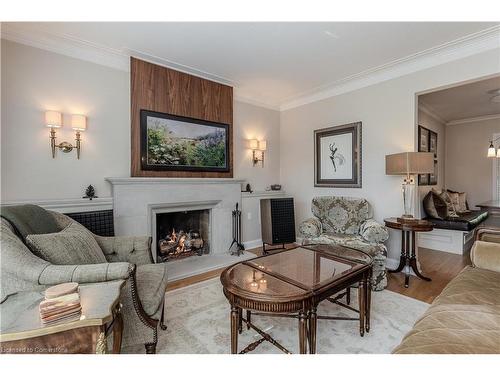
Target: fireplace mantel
[[167, 180], [136, 200]]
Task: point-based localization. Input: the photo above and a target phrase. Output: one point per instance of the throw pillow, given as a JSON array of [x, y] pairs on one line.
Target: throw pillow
[[435, 206], [73, 245], [447, 199], [463, 206]]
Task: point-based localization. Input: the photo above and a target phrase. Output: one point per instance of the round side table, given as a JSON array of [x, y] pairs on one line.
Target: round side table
[[408, 256]]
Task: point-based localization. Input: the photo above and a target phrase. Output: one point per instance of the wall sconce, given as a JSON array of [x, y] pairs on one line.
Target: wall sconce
[[53, 120], [255, 146]]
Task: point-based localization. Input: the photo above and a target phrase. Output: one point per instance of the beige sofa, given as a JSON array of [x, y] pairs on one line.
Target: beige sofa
[[465, 317]]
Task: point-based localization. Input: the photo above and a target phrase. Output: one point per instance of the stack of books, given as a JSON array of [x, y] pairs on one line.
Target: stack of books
[[61, 304]]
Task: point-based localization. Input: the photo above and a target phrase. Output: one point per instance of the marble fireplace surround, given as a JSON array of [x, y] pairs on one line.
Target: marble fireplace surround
[[137, 200]]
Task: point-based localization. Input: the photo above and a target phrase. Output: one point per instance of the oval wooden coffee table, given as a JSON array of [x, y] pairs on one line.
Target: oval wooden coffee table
[[291, 283]]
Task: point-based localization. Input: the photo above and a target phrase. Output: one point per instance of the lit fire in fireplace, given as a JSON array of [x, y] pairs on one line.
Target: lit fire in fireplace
[[180, 243]]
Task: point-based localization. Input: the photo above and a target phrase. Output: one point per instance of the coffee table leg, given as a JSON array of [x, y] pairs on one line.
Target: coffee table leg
[[234, 329], [240, 320], [362, 306], [368, 291], [249, 318], [302, 332], [313, 323]]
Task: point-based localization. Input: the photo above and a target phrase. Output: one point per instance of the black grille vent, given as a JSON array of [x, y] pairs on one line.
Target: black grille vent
[[98, 222]]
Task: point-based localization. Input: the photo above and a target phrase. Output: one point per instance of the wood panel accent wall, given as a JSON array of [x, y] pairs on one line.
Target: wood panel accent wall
[[161, 89]]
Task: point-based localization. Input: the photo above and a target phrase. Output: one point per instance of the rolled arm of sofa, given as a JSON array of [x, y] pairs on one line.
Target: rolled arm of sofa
[[311, 228], [133, 249], [486, 255], [374, 232], [85, 273]]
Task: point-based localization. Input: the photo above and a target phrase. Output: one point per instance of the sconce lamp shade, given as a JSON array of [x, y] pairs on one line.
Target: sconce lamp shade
[[79, 122], [253, 144], [498, 153], [491, 151], [262, 145], [53, 119], [407, 163]]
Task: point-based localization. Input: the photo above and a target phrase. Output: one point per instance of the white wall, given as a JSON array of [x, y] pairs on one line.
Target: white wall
[[387, 111], [252, 122], [467, 167], [34, 80]]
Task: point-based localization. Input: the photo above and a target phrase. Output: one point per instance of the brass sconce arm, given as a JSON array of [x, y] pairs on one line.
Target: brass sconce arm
[[53, 120]]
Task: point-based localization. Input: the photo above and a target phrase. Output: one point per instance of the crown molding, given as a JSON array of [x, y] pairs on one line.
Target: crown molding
[[469, 45], [245, 99], [473, 119], [68, 46], [112, 58], [430, 112], [120, 59]]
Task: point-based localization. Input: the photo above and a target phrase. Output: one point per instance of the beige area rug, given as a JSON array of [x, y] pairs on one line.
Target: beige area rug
[[198, 322]]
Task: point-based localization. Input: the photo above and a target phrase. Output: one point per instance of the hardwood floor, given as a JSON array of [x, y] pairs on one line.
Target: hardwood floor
[[441, 267]]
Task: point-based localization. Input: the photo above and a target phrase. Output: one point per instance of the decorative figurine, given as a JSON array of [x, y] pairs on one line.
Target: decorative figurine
[[90, 192]]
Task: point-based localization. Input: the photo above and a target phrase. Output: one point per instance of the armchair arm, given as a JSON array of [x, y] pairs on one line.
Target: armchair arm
[[311, 227], [486, 255], [488, 235], [373, 232], [85, 273], [134, 249]]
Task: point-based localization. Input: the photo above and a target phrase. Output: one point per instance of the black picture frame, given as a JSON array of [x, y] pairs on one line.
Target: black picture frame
[[355, 131], [428, 142], [144, 114]]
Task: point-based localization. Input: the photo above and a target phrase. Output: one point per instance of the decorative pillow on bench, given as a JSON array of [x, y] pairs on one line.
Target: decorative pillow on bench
[[435, 206], [73, 245]]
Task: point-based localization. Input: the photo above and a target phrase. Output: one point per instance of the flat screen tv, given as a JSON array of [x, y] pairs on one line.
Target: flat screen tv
[[176, 143]]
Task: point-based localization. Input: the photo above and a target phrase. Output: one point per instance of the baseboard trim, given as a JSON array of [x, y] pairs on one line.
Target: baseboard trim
[[252, 244]]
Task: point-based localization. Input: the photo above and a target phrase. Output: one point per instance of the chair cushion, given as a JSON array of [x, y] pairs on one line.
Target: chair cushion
[[151, 284], [352, 240], [73, 245], [341, 214], [464, 318], [464, 222]]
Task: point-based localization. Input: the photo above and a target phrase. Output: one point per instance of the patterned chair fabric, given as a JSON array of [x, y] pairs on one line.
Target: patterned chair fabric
[[348, 221], [127, 258]]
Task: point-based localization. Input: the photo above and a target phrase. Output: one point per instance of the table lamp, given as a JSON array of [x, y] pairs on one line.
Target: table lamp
[[409, 164]]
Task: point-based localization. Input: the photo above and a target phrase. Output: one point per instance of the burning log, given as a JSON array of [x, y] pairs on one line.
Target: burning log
[[180, 242]]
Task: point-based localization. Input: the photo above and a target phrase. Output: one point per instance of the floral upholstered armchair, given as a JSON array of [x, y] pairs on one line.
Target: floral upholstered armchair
[[348, 221]]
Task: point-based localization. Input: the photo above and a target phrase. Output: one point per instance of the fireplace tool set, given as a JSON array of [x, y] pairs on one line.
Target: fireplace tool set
[[236, 248]]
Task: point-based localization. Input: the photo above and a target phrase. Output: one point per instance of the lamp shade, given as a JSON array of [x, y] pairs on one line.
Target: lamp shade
[[253, 144], [79, 122], [491, 151], [498, 153], [262, 145], [406, 163], [53, 119]]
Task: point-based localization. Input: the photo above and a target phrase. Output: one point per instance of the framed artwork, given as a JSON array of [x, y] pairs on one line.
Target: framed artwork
[[423, 179], [433, 177], [423, 146], [423, 139], [433, 142], [428, 142], [337, 156], [176, 143]]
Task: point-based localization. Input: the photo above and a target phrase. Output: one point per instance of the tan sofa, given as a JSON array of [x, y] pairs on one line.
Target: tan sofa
[[465, 317]]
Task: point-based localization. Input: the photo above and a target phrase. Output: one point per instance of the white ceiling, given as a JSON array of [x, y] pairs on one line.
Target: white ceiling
[[468, 101], [271, 63]]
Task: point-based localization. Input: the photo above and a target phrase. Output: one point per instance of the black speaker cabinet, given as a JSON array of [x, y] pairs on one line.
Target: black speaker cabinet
[[277, 219]]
